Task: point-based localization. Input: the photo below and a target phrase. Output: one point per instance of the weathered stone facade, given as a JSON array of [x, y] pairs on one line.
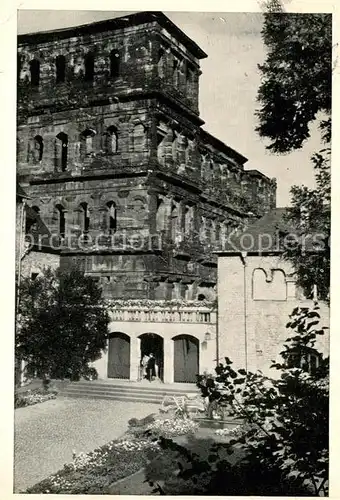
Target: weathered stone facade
[[112, 152], [254, 311]]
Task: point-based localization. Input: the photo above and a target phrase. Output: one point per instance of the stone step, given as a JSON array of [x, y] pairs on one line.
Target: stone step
[[166, 390], [112, 397], [123, 392]]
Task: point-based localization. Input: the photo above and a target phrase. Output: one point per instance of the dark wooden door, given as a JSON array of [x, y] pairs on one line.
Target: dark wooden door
[[186, 358], [119, 356]]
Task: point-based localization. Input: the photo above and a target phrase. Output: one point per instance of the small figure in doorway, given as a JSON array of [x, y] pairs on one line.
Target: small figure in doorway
[[144, 364], [151, 372]]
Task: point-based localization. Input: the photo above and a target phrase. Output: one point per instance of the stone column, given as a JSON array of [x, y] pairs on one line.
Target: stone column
[[152, 210], [168, 361], [134, 358]]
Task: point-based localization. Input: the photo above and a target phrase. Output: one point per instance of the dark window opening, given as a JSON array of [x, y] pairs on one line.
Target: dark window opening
[[38, 147], [60, 69], [175, 67], [112, 217], [34, 276], [85, 224], [63, 150], [62, 220], [114, 63], [87, 141], [201, 297], [89, 67], [35, 72], [160, 63], [111, 140]]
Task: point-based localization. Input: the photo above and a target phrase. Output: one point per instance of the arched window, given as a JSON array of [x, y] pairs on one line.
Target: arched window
[[139, 137], [114, 63], [174, 146], [111, 140], [61, 220], [62, 151], [38, 148], [35, 72], [160, 63], [175, 69], [175, 222], [161, 144], [160, 215], [186, 146], [112, 217], [89, 67], [87, 141], [188, 219], [60, 64], [85, 218]]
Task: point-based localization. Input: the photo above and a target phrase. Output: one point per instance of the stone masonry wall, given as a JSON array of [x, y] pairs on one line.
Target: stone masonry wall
[[110, 147], [268, 294], [35, 262]]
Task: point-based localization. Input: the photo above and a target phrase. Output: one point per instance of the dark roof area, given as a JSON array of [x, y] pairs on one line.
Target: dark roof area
[[256, 173], [112, 24], [269, 235], [210, 139], [261, 236], [38, 233], [21, 193]]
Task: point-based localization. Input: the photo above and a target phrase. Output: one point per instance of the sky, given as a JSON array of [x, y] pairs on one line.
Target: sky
[[228, 85]]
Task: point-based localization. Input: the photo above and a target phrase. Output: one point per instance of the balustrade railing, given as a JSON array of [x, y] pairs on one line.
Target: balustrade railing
[[163, 314]]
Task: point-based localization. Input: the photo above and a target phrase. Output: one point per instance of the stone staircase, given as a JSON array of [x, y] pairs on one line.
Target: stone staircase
[[138, 392]]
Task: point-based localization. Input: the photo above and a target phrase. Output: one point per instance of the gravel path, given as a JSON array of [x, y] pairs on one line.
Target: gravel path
[[46, 434]]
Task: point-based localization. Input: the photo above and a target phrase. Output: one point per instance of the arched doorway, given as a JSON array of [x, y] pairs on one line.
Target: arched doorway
[[119, 356], [153, 343], [186, 358]]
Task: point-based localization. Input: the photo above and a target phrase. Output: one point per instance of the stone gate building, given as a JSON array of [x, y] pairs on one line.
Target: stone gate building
[[111, 150]]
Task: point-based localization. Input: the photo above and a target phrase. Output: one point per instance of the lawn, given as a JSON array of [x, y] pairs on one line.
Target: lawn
[[138, 450]]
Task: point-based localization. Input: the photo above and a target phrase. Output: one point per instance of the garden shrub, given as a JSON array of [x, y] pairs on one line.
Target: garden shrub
[[32, 397], [283, 448], [94, 472]]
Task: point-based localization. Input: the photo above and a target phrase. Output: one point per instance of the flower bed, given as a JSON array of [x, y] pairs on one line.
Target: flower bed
[[33, 397], [173, 427], [94, 472]]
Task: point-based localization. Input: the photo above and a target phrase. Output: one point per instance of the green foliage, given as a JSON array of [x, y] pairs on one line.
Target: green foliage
[[296, 90], [310, 218], [283, 449], [296, 77], [32, 397], [62, 325], [95, 472]]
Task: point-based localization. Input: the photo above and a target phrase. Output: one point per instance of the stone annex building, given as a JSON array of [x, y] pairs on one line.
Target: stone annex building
[[125, 181]]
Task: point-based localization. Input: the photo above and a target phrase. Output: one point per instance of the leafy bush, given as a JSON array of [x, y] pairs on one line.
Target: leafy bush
[[283, 448], [94, 472], [173, 427], [62, 325], [32, 397]]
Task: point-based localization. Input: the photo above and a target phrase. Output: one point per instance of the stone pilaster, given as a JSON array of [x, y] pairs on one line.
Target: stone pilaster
[[168, 361], [134, 358]]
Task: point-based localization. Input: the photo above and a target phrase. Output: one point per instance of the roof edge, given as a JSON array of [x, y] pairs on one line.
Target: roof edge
[[223, 147], [114, 23]]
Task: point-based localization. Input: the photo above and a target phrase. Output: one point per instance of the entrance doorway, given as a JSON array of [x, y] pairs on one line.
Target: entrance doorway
[[119, 356], [151, 343], [186, 358]]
